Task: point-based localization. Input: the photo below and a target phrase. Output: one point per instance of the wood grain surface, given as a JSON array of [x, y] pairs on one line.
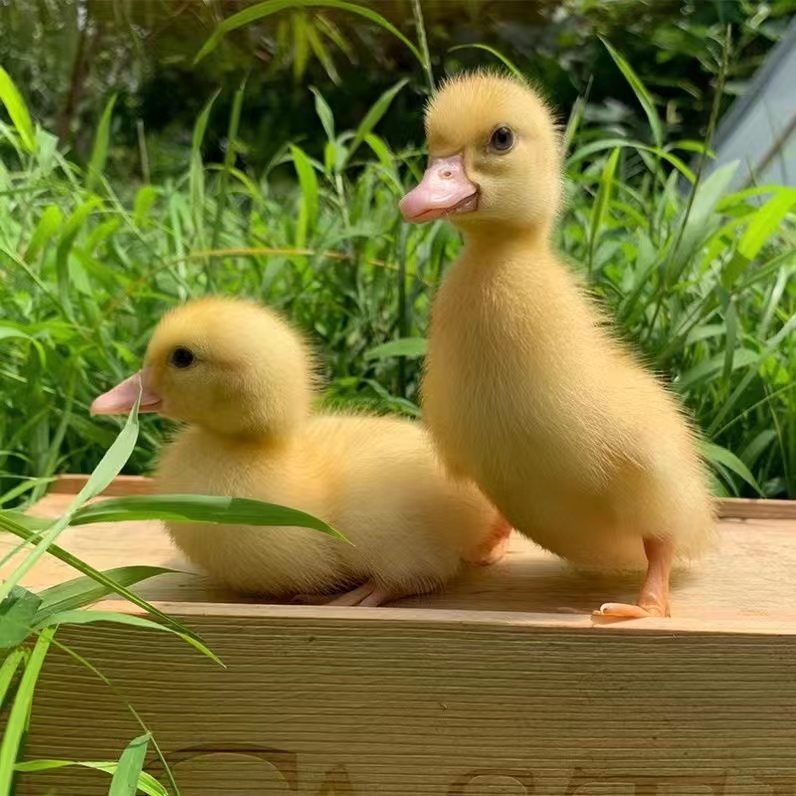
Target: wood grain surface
[[486, 688]]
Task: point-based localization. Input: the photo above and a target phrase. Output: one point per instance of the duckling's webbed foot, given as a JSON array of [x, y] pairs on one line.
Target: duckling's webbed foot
[[653, 599], [368, 595]]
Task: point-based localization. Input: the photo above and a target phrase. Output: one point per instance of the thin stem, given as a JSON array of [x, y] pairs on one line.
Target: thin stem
[[417, 12]]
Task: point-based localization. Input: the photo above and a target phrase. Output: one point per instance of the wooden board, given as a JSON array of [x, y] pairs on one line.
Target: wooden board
[[485, 688]]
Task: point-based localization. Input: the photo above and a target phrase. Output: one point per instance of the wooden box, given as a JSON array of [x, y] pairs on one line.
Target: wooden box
[[501, 684]]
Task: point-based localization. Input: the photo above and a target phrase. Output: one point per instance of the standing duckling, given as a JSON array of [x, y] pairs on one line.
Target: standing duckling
[[525, 391], [241, 379]]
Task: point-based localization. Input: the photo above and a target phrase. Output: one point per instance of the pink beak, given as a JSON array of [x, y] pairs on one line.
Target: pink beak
[[443, 190], [120, 399]]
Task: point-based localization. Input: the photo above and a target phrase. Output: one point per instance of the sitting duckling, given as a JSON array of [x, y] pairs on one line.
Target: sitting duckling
[[525, 390], [242, 380]]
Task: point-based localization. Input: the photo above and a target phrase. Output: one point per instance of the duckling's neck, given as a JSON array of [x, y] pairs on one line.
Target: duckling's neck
[[261, 439], [495, 243]]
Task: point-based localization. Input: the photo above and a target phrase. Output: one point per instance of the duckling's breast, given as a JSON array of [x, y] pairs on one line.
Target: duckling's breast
[[276, 561]]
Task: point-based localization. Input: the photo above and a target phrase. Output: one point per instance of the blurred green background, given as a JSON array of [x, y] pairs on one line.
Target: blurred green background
[[133, 177]]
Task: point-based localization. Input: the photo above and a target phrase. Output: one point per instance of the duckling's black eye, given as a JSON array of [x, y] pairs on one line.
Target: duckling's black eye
[[501, 140], [182, 357]]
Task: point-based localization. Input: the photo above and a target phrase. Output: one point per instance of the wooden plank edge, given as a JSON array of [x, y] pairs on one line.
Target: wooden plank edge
[[728, 624], [728, 508]]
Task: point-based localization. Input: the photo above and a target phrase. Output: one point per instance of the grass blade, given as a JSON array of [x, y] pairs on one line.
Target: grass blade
[[17, 613], [19, 715], [82, 591], [403, 347], [8, 669], [84, 616], [17, 110], [715, 454], [640, 91], [373, 116], [146, 782], [101, 577], [99, 154], [513, 68], [128, 771], [308, 182], [199, 508]]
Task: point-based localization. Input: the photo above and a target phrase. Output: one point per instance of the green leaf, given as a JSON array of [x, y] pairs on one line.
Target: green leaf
[[492, 51], [19, 715], [715, 454], [146, 782], [112, 462], [46, 229], [66, 276], [713, 367], [602, 202], [144, 200], [765, 221], [308, 212], [373, 116], [99, 154], [266, 9], [731, 322], [17, 110], [16, 616], [128, 771], [324, 114], [12, 661], [82, 591], [81, 566], [640, 91], [86, 616], [196, 181], [199, 508], [403, 347]]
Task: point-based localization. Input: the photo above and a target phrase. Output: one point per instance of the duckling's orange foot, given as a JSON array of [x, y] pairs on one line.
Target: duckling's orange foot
[[494, 547], [654, 597], [627, 611]]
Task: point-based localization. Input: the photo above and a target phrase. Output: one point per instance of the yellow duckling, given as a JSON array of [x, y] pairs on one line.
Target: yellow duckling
[[526, 392], [241, 379]]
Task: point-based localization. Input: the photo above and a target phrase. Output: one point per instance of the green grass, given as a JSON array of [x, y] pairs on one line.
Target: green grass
[[700, 284]]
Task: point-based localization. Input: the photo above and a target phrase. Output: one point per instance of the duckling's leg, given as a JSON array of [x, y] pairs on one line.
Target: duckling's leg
[[493, 548], [654, 597]]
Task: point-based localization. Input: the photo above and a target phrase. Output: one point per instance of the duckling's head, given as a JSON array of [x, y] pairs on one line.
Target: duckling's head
[[494, 157], [230, 366]]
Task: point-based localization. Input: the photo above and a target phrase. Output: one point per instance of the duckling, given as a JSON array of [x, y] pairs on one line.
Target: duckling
[[525, 389], [241, 380]]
